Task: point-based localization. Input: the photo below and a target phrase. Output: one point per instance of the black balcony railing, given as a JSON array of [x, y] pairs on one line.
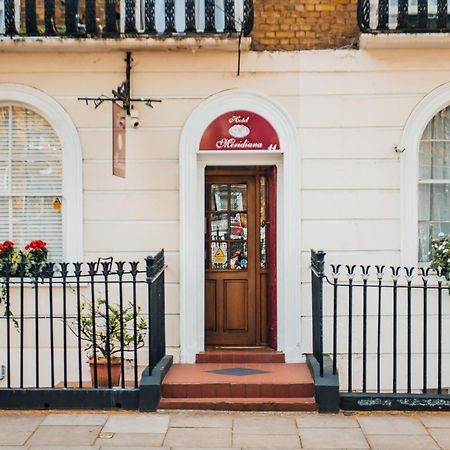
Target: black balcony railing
[[125, 18], [386, 330], [403, 16]]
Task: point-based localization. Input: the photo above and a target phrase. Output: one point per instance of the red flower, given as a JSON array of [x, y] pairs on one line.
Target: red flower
[[8, 244], [36, 246]]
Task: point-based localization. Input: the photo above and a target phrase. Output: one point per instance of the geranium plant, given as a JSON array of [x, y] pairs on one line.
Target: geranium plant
[[11, 259], [441, 254]]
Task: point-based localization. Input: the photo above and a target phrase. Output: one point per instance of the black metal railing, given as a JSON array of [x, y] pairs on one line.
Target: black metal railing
[[423, 16], [115, 18], [92, 325], [385, 328]]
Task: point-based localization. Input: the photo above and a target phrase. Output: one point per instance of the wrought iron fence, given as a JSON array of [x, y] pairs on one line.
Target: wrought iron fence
[[386, 330], [61, 323], [420, 16], [113, 18]]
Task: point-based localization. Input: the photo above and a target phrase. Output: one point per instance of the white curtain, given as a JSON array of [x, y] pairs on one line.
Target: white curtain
[[434, 182]]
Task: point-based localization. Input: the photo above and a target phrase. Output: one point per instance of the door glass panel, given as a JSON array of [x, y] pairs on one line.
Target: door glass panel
[[238, 226], [219, 227], [219, 197], [263, 223], [238, 196], [238, 259], [219, 255]]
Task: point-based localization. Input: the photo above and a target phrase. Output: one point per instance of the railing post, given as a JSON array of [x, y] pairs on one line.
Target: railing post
[[10, 18], [317, 275], [157, 328], [364, 15]]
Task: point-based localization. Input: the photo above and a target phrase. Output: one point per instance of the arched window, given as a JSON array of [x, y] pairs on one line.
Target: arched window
[[434, 182], [31, 179]]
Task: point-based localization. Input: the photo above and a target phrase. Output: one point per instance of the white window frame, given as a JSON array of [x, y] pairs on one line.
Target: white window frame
[[52, 111], [422, 114]]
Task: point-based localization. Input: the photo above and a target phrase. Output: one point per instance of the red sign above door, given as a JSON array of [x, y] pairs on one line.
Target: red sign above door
[[240, 130]]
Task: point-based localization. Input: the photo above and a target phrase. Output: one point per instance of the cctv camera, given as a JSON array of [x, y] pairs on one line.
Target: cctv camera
[[134, 118], [134, 122]]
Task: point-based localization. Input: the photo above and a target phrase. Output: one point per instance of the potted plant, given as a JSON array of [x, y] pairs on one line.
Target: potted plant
[[108, 339]]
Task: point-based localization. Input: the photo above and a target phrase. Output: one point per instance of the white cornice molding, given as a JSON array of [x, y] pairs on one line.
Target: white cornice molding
[[63, 126], [394, 41], [138, 43]]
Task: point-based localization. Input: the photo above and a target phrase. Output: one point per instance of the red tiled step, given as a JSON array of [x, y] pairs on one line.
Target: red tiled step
[[236, 390], [239, 356], [241, 404]]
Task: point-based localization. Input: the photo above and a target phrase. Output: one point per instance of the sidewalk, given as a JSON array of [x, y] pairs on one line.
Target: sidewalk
[[178, 430]]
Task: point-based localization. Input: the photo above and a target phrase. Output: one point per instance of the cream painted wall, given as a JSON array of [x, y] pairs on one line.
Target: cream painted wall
[[349, 107]]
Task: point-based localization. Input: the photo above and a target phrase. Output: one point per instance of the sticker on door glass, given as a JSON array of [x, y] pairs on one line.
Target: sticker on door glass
[[219, 256], [238, 259]]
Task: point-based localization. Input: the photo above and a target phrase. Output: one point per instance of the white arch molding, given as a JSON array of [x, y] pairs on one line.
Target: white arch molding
[[425, 110], [63, 126], [192, 181]]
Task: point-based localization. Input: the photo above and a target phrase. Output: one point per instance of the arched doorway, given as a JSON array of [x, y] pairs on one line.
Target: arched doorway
[[193, 165]]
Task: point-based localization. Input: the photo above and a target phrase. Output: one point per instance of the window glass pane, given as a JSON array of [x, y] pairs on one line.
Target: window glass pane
[[262, 224], [219, 255], [35, 218], [219, 197], [4, 219], [238, 226], [219, 226], [239, 259], [434, 160], [427, 232], [238, 197]]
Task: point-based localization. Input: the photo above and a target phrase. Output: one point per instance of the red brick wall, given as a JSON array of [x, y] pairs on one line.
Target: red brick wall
[[304, 24]]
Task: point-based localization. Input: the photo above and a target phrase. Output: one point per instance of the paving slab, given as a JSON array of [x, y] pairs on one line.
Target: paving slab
[[63, 447], [64, 436], [76, 419], [198, 437], [14, 436], [327, 421], [435, 420], [264, 425], [264, 441], [112, 447], [14, 447], [441, 436], [391, 424], [137, 423], [394, 442], [20, 421], [130, 439], [333, 438], [200, 421]]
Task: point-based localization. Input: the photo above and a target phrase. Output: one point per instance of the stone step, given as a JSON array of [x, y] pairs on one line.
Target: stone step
[[240, 356], [236, 390], [241, 404]]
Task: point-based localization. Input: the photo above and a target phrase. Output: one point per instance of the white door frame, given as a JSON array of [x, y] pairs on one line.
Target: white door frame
[[192, 185]]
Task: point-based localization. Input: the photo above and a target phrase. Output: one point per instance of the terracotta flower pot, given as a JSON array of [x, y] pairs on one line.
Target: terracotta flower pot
[[102, 371]]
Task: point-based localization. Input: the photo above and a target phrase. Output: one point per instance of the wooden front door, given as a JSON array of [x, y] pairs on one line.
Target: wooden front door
[[236, 263]]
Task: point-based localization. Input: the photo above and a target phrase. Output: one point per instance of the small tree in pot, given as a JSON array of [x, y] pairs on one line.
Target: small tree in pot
[[109, 339]]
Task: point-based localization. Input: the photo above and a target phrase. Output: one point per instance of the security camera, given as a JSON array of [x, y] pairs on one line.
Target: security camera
[[134, 122], [134, 118]]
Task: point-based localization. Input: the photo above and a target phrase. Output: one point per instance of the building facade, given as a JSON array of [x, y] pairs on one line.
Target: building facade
[[357, 131]]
